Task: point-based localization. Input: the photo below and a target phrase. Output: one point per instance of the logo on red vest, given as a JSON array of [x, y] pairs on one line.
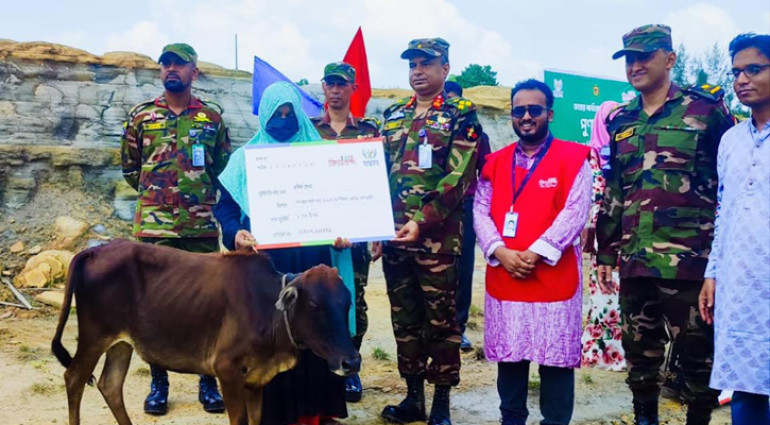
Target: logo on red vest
[[548, 183]]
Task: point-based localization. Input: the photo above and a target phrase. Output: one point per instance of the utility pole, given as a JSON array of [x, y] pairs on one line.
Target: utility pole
[[236, 52]]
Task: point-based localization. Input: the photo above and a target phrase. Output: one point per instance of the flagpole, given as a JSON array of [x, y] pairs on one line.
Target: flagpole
[[236, 52]]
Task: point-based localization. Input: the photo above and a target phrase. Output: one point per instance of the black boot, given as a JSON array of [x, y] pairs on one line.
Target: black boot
[[353, 388], [698, 414], [646, 413], [156, 402], [209, 396], [412, 408], [439, 412]]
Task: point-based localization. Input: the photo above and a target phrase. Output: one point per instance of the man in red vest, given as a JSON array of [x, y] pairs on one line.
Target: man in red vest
[[532, 201]]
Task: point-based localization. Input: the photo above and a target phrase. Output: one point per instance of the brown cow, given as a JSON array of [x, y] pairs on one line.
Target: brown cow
[[228, 315]]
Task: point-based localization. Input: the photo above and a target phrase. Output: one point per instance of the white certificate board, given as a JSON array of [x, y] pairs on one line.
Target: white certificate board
[[310, 193]]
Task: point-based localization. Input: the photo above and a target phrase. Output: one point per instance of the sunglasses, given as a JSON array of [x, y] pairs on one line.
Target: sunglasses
[[750, 70], [534, 111]]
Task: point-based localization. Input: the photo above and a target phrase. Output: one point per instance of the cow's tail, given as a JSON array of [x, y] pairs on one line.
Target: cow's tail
[[75, 276]]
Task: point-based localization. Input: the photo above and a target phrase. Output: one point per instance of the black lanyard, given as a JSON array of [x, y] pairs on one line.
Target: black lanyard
[[538, 158]]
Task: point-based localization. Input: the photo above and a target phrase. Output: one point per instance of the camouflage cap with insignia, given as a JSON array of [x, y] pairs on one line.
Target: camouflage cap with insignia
[[432, 47], [341, 70], [647, 38], [184, 51]]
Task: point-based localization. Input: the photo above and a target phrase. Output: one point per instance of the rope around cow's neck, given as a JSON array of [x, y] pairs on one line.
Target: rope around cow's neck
[[286, 317]]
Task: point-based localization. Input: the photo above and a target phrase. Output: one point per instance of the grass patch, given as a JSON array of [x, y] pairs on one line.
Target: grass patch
[[534, 384], [28, 354], [45, 389], [380, 354], [471, 325], [142, 371], [475, 311], [478, 353], [587, 379]]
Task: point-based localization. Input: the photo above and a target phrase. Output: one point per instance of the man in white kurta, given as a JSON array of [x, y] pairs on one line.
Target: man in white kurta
[[737, 283]]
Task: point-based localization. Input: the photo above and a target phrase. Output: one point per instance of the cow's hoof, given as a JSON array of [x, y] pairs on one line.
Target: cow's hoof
[[403, 414], [353, 389]]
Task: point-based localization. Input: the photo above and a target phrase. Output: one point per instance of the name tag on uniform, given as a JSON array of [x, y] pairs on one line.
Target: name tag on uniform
[[154, 126], [511, 224], [198, 155], [425, 154]]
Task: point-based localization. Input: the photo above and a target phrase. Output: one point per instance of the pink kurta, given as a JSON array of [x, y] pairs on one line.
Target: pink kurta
[[546, 333]]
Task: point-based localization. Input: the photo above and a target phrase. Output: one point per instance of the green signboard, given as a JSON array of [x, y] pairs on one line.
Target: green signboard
[[576, 99]]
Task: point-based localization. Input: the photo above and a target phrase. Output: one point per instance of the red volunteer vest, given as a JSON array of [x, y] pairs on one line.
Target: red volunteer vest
[[538, 205]]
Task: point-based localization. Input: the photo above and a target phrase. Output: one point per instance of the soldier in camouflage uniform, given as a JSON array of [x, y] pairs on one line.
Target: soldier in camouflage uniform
[[339, 83], [172, 149], [431, 148], [658, 216]]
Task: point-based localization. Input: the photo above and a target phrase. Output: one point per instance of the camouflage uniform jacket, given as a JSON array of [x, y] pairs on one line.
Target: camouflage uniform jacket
[[356, 128], [431, 197], [659, 201], [175, 197]]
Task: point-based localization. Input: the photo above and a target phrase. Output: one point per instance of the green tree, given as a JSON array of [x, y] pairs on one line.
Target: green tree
[[476, 75], [302, 82], [680, 74]]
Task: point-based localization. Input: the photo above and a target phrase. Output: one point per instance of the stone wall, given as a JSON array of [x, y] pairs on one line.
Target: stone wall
[[62, 110]]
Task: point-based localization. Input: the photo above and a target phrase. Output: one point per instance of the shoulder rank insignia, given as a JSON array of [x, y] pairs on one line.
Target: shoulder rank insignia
[[625, 135], [201, 117]]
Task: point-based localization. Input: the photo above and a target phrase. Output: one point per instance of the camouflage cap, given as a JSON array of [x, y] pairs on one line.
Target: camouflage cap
[[432, 47], [341, 70], [184, 51], [647, 38]]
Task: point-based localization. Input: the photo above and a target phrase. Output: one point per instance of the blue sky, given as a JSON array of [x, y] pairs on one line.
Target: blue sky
[[517, 38]]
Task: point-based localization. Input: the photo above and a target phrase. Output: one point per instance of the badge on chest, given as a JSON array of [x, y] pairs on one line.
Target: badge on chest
[[511, 224], [424, 151]]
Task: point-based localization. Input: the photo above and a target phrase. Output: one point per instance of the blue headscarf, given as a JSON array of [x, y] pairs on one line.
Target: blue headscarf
[[233, 178]]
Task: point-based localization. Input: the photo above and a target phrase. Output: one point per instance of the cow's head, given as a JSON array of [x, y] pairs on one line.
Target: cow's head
[[316, 304]]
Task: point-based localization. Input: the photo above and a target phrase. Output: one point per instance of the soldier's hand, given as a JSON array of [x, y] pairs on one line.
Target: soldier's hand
[[245, 241], [706, 300], [408, 234], [604, 279], [376, 251], [341, 243], [587, 237]]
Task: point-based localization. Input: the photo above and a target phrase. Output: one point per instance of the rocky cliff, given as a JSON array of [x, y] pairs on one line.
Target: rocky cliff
[[61, 115]]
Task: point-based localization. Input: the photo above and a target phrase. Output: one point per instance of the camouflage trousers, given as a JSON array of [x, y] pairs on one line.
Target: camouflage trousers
[[361, 260], [422, 289], [202, 245], [647, 306]]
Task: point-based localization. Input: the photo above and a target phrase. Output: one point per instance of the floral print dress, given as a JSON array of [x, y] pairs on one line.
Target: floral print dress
[[601, 338]]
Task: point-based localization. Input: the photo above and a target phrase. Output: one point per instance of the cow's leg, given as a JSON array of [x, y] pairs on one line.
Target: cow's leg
[[232, 393], [77, 375], [254, 404], [111, 382]]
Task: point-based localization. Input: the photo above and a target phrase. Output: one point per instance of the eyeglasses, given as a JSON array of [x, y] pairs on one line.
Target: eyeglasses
[[750, 70], [534, 111]]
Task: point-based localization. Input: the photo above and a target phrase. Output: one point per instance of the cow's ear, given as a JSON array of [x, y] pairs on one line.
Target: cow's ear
[[287, 298]]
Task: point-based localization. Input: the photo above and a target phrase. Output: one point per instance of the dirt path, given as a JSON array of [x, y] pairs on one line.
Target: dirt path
[[32, 387]]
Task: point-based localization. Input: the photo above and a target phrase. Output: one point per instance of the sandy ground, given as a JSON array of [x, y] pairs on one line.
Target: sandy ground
[[32, 387]]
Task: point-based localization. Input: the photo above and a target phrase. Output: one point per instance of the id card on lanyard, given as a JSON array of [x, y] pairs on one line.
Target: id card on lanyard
[[511, 222], [424, 151]]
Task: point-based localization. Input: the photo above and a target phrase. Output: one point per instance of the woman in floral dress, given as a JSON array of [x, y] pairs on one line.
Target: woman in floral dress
[[601, 339]]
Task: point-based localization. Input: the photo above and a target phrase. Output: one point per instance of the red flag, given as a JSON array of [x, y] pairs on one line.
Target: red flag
[[356, 57]]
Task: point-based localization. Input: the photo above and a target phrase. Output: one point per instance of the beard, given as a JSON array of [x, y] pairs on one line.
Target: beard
[[531, 138], [175, 86]]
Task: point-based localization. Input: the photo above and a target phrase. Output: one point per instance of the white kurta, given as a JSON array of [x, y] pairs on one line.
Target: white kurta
[[740, 262]]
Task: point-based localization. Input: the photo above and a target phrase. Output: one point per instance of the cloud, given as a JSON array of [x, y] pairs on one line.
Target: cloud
[[143, 37], [701, 25]]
